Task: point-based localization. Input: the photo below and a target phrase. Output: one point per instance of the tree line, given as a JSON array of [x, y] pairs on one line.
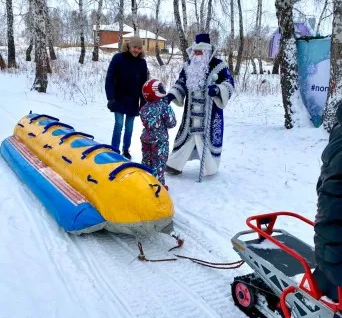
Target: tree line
[[47, 27]]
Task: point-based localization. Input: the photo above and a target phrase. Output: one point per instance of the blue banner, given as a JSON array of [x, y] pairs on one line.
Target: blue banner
[[314, 75]]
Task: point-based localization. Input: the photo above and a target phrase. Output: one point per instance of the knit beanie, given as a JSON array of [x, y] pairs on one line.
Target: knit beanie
[[135, 41]]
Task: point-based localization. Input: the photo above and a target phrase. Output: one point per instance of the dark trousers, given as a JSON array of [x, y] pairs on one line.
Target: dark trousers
[[325, 285]]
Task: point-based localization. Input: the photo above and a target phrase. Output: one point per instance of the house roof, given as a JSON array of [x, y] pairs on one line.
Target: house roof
[[144, 34], [114, 27]]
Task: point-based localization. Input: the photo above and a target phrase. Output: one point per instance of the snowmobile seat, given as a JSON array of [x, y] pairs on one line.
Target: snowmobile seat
[[282, 260]]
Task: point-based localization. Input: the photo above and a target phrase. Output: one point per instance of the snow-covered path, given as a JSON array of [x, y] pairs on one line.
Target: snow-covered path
[[46, 272]]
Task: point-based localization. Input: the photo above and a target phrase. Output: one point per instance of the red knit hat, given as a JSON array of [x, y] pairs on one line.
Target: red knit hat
[[153, 90]]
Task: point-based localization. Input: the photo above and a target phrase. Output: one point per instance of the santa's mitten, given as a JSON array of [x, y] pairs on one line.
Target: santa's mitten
[[170, 97], [213, 90]]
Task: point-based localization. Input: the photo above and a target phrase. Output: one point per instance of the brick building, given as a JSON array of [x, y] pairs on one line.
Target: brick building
[[109, 38]]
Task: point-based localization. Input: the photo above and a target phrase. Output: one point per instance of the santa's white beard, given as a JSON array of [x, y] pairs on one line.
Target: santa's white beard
[[196, 72]]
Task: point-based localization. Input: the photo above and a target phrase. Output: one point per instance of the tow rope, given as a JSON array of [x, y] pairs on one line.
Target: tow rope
[[231, 265]]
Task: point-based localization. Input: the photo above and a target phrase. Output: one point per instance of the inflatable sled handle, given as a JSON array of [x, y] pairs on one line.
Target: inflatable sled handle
[[21, 125], [47, 146], [112, 174], [66, 159], [32, 134], [74, 133], [40, 116], [56, 123], [85, 153], [90, 179]]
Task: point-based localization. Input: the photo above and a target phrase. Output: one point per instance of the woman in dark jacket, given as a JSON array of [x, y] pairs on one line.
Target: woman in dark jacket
[[126, 75], [328, 223]]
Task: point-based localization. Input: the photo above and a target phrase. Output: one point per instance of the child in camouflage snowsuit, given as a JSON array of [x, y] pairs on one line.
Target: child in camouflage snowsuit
[[157, 117]]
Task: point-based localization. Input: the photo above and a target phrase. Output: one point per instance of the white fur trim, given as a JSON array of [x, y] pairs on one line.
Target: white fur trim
[[226, 91], [179, 93], [202, 46]]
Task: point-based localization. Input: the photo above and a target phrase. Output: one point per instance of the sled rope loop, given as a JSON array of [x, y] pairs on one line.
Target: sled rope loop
[[231, 265]]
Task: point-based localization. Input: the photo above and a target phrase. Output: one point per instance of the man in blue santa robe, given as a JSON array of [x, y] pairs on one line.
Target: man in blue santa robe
[[206, 85]]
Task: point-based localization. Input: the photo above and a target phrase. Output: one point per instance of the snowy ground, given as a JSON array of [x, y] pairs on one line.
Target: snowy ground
[[48, 273]]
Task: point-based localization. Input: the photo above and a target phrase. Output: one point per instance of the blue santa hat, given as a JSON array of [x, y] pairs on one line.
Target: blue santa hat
[[202, 42]]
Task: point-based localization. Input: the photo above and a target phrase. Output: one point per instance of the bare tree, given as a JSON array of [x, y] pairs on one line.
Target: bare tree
[[41, 80], [121, 22], [241, 36], [232, 37], [81, 19], [335, 93], [209, 16], [49, 34], [156, 30], [95, 57], [289, 67], [2, 63], [259, 46], [322, 17], [10, 38], [30, 30], [276, 63], [185, 18], [182, 38], [135, 17]]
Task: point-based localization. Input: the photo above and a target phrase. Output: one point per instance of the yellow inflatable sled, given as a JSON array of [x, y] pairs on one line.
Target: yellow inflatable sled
[[85, 185]]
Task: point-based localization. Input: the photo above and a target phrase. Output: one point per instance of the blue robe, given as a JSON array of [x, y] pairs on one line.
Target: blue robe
[[190, 139]]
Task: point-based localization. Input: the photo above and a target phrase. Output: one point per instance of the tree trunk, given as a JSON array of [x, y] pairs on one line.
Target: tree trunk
[[41, 80], [335, 92], [29, 50], [276, 65], [197, 17], [185, 18], [288, 67], [171, 55], [209, 16], [183, 40], [2, 63], [121, 22], [81, 19], [253, 65], [159, 59], [10, 38], [135, 17], [49, 34], [320, 19], [202, 16], [240, 51], [232, 37], [95, 57], [30, 31], [259, 40]]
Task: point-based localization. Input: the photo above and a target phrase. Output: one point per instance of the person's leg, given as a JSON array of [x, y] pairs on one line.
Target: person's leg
[[325, 285], [146, 154], [161, 157], [117, 131], [154, 160], [128, 132]]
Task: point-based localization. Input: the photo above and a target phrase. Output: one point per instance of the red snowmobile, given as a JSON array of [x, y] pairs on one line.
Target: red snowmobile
[[282, 284]]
